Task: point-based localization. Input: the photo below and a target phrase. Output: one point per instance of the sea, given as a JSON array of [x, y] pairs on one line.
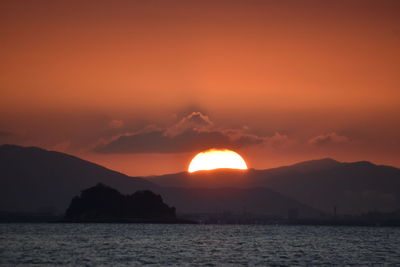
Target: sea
[[60, 244]]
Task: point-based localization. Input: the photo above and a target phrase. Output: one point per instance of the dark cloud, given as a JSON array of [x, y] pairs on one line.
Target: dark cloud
[[194, 121], [325, 139], [246, 140], [194, 132], [159, 142], [197, 118]]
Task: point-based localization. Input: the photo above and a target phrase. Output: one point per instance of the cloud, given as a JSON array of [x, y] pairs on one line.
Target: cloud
[[194, 132], [329, 138], [248, 139], [159, 142], [195, 121], [279, 140]]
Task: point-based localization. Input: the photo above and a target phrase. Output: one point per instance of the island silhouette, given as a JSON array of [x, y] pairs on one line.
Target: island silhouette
[[102, 203]]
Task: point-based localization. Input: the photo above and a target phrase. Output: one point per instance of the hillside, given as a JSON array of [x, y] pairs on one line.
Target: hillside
[[258, 200], [352, 188], [33, 179]]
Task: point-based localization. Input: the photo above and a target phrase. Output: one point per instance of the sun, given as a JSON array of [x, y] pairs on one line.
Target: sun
[[217, 159]]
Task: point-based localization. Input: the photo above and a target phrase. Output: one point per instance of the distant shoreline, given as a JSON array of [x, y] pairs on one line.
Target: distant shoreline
[[61, 220]]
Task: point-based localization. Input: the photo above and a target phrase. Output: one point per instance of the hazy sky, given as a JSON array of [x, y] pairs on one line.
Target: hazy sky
[[140, 86]]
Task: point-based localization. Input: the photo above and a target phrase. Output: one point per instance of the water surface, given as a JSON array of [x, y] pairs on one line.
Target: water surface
[[212, 245]]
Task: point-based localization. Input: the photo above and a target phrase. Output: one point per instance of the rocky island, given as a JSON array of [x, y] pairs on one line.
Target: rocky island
[[102, 203]]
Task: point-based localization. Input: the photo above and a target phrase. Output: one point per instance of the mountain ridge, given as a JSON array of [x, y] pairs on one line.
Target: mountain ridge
[[351, 187], [32, 178], [49, 178]]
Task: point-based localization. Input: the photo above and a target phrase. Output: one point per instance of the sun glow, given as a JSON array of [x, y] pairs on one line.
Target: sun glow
[[217, 159]]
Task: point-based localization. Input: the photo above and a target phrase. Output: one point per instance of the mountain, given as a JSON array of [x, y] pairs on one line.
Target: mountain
[[324, 184], [33, 179], [352, 188], [239, 178], [255, 201]]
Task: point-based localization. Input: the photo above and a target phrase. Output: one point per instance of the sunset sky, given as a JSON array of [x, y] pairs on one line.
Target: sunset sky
[[141, 86]]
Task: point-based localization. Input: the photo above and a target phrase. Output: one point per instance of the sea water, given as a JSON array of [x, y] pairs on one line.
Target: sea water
[[196, 245]]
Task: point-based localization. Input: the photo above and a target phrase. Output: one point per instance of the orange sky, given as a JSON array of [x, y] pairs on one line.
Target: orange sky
[[294, 79]]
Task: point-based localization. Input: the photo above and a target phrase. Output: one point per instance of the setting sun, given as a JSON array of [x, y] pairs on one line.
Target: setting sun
[[217, 159]]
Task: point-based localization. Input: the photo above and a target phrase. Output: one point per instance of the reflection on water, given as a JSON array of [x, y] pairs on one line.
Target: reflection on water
[[214, 245]]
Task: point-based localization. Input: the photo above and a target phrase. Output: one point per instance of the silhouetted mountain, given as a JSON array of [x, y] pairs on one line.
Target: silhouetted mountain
[[352, 188], [102, 203], [260, 201], [204, 179], [32, 178], [239, 178]]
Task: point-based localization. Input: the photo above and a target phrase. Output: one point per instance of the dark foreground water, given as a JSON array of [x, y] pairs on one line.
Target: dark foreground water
[[213, 245]]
